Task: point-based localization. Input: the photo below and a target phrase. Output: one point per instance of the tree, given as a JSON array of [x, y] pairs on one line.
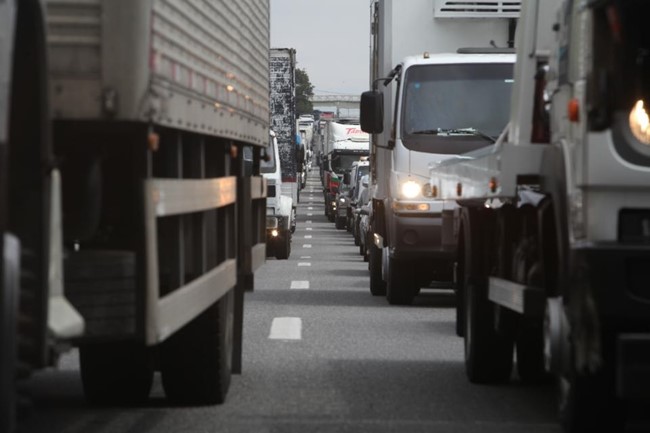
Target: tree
[[304, 91]]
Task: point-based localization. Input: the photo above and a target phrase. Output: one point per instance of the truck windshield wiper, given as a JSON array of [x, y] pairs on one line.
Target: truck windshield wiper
[[457, 131]]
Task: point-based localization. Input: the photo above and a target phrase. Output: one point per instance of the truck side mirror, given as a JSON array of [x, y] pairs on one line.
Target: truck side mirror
[[372, 112]]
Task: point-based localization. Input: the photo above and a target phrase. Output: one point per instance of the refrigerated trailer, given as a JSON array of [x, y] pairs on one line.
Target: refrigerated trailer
[[130, 223]]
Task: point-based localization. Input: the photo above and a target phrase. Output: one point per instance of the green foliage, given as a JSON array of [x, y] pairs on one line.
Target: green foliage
[[304, 91]]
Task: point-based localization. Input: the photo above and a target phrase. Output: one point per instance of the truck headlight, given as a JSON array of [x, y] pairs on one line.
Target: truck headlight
[[342, 200], [640, 123], [410, 189], [275, 233]]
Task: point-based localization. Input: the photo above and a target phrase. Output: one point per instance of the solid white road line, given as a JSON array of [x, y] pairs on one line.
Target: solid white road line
[[286, 328], [299, 285]]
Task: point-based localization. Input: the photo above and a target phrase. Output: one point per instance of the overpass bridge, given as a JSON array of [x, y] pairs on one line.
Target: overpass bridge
[[336, 103]]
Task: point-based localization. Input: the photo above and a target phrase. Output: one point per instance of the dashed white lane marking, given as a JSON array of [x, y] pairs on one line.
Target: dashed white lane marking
[[310, 208], [299, 285], [306, 246], [308, 236], [304, 264], [310, 214], [305, 257], [308, 229], [286, 328], [308, 222]]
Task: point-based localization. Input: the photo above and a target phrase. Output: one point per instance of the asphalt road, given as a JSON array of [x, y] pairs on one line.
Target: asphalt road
[[321, 355]]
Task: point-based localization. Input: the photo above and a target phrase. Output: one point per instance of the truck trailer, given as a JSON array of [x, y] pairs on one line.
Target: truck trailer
[[283, 117], [130, 224], [440, 87], [551, 231]]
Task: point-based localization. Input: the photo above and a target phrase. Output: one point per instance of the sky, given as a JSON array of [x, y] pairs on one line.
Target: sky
[[331, 39]]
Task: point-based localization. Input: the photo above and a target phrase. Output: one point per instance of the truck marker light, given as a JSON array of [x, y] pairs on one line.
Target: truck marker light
[[573, 110], [493, 184], [640, 123], [233, 151], [459, 189], [153, 141]]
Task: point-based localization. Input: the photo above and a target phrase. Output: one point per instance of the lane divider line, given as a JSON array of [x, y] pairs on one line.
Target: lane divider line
[[304, 264], [286, 328], [299, 285]]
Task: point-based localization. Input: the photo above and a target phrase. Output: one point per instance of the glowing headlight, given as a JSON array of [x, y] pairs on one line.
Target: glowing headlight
[[274, 233], [410, 189], [342, 200], [640, 123]]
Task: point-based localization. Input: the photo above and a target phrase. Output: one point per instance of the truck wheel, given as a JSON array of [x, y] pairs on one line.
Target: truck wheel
[[400, 287], [8, 320], [340, 223], [115, 373], [530, 354], [283, 249], [377, 284], [196, 361], [488, 354]]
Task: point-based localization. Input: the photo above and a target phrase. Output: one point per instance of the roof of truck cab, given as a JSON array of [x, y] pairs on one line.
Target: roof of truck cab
[[455, 59]]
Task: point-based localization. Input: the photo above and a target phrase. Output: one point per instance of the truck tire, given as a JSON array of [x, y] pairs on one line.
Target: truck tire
[[488, 354], [196, 361], [115, 373], [10, 248], [283, 247], [377, 284], [400, 287], [530, 355], [339, 223]]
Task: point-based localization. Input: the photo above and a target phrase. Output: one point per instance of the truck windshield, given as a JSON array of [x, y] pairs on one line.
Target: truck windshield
[[341, 162], [455, 108], [269, 166]]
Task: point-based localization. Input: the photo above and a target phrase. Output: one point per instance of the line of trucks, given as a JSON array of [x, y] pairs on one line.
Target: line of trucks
[[511, 158], [132, 208]]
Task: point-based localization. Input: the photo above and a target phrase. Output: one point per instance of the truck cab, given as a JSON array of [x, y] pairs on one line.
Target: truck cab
[[280, 210], [445, 104]]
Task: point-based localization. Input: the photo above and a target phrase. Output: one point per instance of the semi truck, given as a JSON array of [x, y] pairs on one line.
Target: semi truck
[[551, 229], [130, 224], [343, 143], [280, 212], [284, 119], [441, 78]]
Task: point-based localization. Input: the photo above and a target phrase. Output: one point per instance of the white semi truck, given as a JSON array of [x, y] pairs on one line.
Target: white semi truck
[[553, 226], [343, 143], [449, 98], [280, 212], [130, 222]]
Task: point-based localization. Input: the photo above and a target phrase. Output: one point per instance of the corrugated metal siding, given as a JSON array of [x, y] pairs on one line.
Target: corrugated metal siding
[[74, 42], [218, 49]]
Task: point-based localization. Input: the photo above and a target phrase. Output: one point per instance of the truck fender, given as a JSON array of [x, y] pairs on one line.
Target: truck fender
[[286, 204]]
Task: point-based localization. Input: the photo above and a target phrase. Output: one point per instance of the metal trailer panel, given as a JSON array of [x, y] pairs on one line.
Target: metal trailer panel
[[283, 108], [195, 65]]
